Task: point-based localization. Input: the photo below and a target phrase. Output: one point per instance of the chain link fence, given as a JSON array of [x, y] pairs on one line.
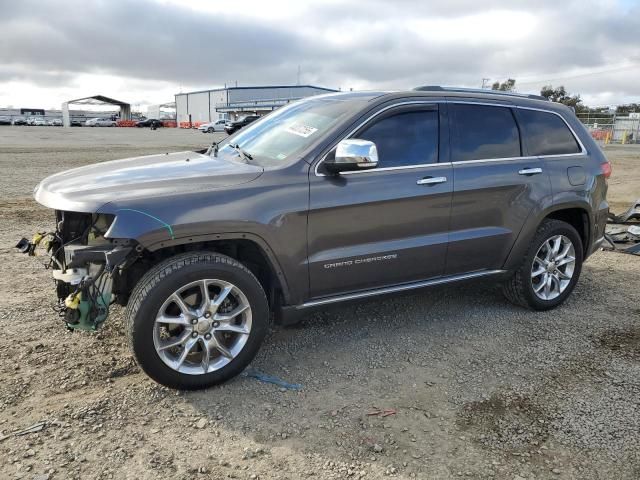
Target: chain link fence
[[612, 128]]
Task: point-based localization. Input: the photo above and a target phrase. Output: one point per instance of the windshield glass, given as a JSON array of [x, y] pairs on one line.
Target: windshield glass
[[275, 139]]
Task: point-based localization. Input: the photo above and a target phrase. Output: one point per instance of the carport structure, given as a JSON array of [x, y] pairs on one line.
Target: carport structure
[[125, 108]]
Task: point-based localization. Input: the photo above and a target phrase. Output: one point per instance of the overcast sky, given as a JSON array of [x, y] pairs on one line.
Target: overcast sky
[[145, 51]]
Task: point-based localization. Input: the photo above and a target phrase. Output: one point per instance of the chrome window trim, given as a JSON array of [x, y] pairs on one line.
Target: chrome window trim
[[583, 150]]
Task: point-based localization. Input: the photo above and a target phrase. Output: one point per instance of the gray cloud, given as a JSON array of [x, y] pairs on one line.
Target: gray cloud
[[144, 40]]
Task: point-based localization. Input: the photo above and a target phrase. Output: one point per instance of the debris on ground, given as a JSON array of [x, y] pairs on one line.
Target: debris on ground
[[36, 427], [266, 378], [377, 412], [624, 230], [632, 213]]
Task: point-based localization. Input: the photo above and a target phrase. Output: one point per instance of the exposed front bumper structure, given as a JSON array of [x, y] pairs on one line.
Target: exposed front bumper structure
[[83, 265]]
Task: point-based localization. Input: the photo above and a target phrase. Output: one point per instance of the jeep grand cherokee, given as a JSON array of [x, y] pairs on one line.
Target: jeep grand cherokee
[[331, 198]]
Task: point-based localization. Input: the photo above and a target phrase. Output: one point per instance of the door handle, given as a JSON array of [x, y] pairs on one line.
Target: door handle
[[530, 171], [431, 180]]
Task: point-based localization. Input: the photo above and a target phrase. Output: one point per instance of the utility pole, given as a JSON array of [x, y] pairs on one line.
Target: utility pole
[[298, 81]]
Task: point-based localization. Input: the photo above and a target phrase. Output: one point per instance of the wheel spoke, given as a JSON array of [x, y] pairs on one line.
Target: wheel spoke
[[226, 317], [564, 251], [557, 243], [538, 272], [174, 342], [180, 320], [222, 296], [184, 308], [228, 327], [224, 351], [206, 299], [205, 356], [547, 286], [565, 261], [541, 285], [188, 346], [562, 275]]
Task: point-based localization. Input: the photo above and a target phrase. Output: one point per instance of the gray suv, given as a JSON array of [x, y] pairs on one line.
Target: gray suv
[[332, 198]]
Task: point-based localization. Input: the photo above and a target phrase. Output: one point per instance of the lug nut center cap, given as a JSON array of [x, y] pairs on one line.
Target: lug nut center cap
[[203, 325]]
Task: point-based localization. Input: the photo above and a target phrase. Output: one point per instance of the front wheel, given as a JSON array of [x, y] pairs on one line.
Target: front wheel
[[550, 269], [196, 320]]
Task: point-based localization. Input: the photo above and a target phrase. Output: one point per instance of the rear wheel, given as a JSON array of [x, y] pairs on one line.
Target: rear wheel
[[549, 270], [196, 320], [210, 130]]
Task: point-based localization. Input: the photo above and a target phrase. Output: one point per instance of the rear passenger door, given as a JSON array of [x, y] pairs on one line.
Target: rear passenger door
[[496, 186]]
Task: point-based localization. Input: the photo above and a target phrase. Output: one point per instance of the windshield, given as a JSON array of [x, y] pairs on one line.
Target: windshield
[[276, 138]]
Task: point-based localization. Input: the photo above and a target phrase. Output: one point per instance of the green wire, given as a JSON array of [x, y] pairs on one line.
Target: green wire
[[165, 224]]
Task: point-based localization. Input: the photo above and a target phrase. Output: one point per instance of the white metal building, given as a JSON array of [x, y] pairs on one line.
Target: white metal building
[[235, 102]]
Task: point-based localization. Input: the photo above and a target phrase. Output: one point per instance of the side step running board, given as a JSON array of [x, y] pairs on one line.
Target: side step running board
[[398, 288]]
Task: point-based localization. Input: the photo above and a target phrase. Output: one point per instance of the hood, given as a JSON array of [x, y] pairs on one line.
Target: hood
[[86, 189]]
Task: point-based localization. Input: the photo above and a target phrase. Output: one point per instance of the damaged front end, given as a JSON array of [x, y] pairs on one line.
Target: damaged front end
[[84, 264]]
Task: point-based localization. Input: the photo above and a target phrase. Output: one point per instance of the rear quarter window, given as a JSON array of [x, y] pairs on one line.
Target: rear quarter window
[[546, 133]]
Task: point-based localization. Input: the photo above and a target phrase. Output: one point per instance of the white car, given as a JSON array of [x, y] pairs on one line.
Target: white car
[[100, 122], [56, 122], [38, 121], [217, 126]]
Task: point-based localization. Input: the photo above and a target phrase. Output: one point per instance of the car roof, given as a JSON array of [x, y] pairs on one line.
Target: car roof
[[455, 93]]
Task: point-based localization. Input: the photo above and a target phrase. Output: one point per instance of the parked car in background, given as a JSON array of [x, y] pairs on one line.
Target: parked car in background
[[5, 120], [56, 122], [19, 121], [232, 127], [100, 122], [217, 126], [150, 122], [326, 200], [75, 123], [37, 121]]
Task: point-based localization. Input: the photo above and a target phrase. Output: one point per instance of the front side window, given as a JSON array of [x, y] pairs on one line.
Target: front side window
[[546, 133], [483, 132], [405, 138]]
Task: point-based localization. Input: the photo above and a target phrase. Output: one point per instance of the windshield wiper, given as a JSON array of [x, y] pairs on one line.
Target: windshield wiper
[[241, 152], [213, 148]]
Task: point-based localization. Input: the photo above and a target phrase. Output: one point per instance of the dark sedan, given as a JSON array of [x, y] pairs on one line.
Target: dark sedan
[[150, 122], [232, 127]]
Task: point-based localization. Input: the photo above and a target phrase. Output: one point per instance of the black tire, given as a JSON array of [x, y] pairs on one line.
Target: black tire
[[210, 130], [519, 289], [156, 286]]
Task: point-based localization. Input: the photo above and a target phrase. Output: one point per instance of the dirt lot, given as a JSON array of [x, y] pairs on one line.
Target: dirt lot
[[476, 388]]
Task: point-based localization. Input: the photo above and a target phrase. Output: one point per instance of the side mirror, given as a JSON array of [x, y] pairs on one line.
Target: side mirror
[[353, 154]]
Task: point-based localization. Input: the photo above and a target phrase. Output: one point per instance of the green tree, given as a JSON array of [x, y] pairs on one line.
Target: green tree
[[560, 95], [626, 109], [507, 86]]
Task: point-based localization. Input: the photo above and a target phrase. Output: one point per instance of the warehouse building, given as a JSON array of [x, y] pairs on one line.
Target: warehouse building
[[236, 102]]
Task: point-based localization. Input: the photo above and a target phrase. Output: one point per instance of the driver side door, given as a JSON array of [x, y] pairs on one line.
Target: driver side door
[[388, 225]]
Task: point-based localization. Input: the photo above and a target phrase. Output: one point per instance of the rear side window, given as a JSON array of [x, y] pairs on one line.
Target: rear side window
[[405, 139], [546, 133], [483, 132]]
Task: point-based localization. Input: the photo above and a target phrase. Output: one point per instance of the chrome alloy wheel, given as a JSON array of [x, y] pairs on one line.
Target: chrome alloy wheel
[[553, 267], [202, 326]]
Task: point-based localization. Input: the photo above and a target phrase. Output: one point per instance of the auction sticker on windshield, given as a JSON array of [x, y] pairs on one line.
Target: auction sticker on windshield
[[301, 130]]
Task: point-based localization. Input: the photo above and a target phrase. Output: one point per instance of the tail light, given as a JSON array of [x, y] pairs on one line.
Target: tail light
[[605, 168]]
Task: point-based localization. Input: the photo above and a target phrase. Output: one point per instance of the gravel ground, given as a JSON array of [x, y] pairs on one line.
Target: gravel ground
[[473, 387]]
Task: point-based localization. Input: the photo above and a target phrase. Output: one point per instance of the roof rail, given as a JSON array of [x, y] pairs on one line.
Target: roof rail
[[438, 88]]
